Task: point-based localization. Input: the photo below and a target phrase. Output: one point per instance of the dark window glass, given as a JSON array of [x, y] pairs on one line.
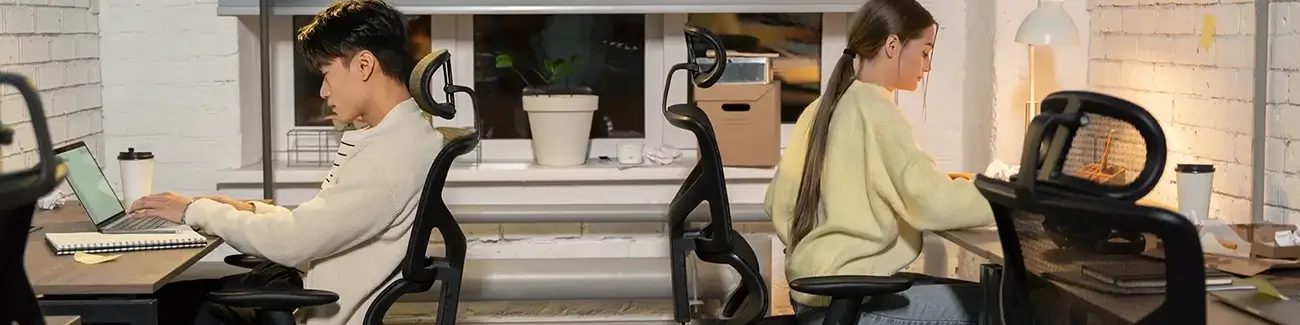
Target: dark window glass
[[610, 55]]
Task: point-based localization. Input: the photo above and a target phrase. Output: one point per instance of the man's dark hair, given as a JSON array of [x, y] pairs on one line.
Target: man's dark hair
[[350, 26]]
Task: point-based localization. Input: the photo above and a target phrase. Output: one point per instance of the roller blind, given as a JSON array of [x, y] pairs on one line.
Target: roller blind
[[425, 7]]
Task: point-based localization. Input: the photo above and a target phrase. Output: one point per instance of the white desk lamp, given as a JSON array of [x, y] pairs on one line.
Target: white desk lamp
[[1047, 25]]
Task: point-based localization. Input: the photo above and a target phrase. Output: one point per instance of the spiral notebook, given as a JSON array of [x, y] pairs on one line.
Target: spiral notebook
[[95, 242]]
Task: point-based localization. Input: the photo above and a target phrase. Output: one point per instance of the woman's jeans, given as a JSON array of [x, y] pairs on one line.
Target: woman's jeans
[[930, 301]]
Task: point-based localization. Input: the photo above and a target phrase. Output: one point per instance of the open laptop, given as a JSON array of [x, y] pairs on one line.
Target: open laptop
[[1284, 312], [98, 198]]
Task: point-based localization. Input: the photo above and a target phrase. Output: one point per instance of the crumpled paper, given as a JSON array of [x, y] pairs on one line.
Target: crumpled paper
[[1001, 170], [1217, 237], [664, 155], [1286, 238], [88, 258], [52, 201]]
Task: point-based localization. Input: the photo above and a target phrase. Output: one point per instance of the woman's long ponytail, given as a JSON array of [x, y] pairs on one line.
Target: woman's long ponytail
[[810, 186]]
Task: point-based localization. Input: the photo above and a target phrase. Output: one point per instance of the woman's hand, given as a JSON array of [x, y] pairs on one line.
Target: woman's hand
[[238, 204], [965, 176]]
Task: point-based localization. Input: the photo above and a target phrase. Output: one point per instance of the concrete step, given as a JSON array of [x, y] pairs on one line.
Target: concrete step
[[539, 320], [593, 312]]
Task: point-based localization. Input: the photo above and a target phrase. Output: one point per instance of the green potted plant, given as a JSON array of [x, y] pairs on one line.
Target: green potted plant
[[559, 113]]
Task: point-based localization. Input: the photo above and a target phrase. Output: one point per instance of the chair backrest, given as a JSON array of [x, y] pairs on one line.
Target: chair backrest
[[1094, 144], [717, 242], [19, 191], [1066, 223], [432, 211]]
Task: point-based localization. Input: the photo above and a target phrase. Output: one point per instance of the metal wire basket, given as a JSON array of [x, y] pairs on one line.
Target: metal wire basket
[[312, 147]]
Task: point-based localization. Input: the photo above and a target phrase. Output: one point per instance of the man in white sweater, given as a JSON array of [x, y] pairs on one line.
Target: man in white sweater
[[351, 238]]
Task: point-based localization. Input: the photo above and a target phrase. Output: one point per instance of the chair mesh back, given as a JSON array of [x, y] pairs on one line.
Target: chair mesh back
[[1096, 144], [1077, 222], [432, 212], [1107, 151]]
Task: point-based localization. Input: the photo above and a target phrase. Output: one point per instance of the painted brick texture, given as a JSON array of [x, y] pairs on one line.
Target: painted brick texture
[[1149, 52], [1282, 156], [171, 88], [55, 43]]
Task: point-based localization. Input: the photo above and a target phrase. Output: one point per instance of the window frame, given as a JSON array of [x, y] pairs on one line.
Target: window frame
[[664, 46]]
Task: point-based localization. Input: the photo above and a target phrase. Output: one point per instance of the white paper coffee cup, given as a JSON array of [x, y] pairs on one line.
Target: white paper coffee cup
[[137, 174], [1195, 183]]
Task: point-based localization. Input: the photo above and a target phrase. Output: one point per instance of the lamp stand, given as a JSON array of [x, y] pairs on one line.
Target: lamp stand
[[1031, 106]]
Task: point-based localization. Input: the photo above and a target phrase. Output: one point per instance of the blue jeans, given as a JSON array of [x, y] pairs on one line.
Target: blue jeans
[[939, 302]]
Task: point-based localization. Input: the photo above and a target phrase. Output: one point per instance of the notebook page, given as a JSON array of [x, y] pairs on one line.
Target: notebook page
[[96, 240]]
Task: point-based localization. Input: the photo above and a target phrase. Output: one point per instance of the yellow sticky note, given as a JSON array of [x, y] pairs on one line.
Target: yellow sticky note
[[88, 258], [1264, 287], [1207, 32]]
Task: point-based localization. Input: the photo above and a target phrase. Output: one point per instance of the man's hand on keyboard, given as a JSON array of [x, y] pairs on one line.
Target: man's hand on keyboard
[[238, 204], [167, 206]]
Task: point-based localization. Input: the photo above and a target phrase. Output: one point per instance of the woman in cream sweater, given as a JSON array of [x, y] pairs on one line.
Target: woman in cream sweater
[[853, 191]]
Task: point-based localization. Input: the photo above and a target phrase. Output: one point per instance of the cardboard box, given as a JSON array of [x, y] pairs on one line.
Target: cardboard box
[[1266, 256], [1264, 245], [747, 121]]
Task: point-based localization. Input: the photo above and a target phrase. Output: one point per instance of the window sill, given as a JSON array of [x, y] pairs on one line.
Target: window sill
[[498, 172]]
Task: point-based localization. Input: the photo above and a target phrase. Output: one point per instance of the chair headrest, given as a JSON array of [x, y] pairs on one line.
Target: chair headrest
[[705, 78], [421, 79], [1095, 144]]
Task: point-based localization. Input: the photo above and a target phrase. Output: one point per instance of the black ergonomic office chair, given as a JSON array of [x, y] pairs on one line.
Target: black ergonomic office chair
[[718, 242], [19, 191], [1058, 214], [419, 271]]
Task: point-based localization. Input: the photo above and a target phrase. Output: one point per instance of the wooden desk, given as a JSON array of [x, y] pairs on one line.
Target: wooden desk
[[62, 320], [64, 283], [984, 243], [141, 272]]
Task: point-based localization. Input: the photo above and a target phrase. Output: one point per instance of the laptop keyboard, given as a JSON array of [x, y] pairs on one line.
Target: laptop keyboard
[[141, 223]]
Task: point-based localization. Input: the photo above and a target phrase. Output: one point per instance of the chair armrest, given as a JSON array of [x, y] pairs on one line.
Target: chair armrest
[[849, 286], [272, 299], [244, 260]]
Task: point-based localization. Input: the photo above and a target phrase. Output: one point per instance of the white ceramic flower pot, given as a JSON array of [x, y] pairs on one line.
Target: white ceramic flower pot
[[561, 127]]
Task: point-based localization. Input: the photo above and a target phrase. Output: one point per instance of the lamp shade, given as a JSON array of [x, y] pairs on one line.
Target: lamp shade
[[1048, 24]]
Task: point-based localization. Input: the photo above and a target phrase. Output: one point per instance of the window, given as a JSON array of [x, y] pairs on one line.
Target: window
[[796, 37], [309, 108], [605, 55], [624, 60]]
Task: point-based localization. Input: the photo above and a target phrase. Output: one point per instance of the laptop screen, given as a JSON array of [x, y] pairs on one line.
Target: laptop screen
[[90, 185]]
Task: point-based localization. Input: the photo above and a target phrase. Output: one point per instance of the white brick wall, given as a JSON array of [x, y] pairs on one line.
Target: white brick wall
[[1282, 153], [1147, 52], [170, 87], [55, 43], [1057, 67]]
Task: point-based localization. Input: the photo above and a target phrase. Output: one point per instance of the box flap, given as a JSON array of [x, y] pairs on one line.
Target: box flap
[[733, 92], [1236, 265]]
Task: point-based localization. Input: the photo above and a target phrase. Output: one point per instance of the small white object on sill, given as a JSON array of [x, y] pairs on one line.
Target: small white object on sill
[[1000, 170], [52, 201], [664, 155], [631, 153]]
